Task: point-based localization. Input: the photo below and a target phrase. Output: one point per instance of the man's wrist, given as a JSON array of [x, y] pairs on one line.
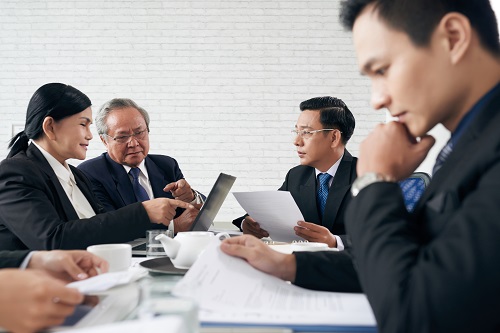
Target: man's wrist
[[333, 241], [289, 268], [369, 178], [197, 198]]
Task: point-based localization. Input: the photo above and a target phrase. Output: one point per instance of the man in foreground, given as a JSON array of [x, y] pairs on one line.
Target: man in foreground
[[436, 269]]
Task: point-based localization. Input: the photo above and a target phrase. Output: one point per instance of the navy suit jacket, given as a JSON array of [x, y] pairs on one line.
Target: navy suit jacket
[[36, 213], [112, 185]]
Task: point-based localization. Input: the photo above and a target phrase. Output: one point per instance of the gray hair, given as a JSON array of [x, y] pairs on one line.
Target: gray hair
[[114, 104]]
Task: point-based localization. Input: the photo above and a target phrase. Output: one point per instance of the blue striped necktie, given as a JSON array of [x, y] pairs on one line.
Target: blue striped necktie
[[323, 188], [442, 156], [140, 192]]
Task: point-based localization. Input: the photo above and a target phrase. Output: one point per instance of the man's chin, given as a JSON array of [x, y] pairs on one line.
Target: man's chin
[[414, 130], [133, 162], [303, 161]]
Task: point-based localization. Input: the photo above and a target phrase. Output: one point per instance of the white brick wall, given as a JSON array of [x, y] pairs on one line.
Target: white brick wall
[[222, 80]]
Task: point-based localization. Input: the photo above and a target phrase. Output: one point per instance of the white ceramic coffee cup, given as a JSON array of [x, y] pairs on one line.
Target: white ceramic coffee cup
[[119, 256]]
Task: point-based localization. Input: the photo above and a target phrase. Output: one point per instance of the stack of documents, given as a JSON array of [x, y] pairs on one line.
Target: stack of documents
[[230, 291]]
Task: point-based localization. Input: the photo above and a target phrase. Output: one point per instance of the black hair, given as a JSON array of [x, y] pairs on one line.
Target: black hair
[[54, 100], [419, 18], [334, 113]]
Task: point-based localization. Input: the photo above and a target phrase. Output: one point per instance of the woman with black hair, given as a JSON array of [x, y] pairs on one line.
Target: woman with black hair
[[46, 203]]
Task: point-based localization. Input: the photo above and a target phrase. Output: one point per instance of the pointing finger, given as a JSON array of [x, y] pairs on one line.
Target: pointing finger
[[181, 204], [170, 187]]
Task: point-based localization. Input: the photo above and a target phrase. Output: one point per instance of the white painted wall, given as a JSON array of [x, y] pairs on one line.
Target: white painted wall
[[222, 80], [496, 7]]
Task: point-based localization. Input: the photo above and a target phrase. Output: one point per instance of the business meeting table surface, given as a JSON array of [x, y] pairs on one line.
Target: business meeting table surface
[[154, 287]]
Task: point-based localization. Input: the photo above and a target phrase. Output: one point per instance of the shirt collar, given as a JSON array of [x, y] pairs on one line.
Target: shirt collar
[[141, 166], [469, 116], [63, 172], [333, 169]]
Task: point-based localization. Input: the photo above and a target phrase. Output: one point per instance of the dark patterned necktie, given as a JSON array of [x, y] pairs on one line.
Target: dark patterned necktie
[[140, 192], [323, 188], [443, 155]]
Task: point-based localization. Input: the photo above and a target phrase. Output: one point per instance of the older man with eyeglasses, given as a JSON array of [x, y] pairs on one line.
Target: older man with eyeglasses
[[320, 185], [126, 173]]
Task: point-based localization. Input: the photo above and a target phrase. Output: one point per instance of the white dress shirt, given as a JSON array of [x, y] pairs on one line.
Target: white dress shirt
[[68, 183]]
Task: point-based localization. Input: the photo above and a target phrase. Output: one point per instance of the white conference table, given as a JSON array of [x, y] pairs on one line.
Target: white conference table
[[123, 303]]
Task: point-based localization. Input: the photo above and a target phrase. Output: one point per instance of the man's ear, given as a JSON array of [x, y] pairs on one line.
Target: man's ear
[[457, 32], [336, 138], [48, 128], [103, 140]]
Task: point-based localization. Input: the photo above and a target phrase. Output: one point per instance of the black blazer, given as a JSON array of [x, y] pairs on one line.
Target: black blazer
[[12, 259], [301, 182], [36, 214], [436, 270], [112, 185]]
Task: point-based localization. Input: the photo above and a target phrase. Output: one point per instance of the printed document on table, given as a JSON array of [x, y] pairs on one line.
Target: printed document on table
[[230, 291], [276, 211]]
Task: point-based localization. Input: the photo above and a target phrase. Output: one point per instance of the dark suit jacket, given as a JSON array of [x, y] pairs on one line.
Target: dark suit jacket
[[112, 185], [12, 259], [36, 214], [301, 183], [436, 270]]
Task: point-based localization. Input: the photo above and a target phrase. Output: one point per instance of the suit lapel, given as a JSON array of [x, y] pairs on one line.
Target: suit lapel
[[122, 182], [339, 188], [157, 179], [34, 154], [308, 196]]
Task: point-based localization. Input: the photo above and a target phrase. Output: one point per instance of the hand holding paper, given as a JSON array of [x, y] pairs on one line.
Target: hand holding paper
[[275, 211]]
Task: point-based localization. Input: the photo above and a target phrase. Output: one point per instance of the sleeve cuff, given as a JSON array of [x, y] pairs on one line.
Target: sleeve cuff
[[198, 199], [340, 244], [26, 260]]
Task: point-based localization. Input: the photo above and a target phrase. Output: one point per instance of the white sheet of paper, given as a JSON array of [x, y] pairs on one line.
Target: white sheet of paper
[[103, 282], [229, 290], [276, 211]]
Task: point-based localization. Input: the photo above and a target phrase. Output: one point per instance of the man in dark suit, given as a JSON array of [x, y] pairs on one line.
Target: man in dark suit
[[323, 129], [435, 269], [35, 296], [123, 127]]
